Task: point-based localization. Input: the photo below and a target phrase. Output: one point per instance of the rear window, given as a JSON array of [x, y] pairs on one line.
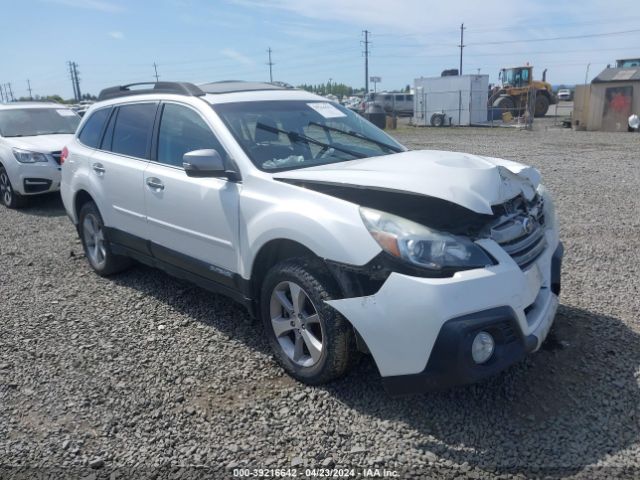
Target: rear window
[[132, 130], [90, 134], [399, 98]]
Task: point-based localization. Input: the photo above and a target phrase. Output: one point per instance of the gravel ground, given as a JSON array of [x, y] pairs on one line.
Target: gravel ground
[[144, 376]]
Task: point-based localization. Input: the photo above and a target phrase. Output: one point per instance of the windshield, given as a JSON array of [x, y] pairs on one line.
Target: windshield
[[283, 135], [26, 122]]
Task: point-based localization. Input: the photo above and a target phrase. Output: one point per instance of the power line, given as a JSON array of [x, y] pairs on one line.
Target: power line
[[366, 61], [547, 39], [270, 63]]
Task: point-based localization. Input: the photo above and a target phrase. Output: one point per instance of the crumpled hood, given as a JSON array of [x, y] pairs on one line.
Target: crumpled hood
[[471, 181], [42, 143]]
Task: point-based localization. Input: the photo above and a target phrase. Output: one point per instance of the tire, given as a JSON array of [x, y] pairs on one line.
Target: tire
[[8, 196], [437, 120], [303, 323], [542, 105], [96, 248], [505, 104]]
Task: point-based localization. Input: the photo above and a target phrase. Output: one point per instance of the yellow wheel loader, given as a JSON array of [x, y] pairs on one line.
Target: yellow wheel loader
[[516, 90]]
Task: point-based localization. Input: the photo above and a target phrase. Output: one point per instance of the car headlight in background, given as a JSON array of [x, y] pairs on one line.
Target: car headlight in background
[[422, 246], [550, 219], [25, 156]]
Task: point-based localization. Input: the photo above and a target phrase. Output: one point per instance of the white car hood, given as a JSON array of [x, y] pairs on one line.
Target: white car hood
[[41, 143], [471, 181]]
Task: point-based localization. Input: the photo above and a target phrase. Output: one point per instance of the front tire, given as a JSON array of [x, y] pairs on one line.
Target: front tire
[[311, 340], [542, 105], [9, 197], [96, 248]]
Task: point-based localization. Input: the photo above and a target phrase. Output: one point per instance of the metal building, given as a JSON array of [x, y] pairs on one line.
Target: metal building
[[462, 100]]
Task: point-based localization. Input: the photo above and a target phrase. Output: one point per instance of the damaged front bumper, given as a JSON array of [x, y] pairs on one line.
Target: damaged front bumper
[[419, 330]]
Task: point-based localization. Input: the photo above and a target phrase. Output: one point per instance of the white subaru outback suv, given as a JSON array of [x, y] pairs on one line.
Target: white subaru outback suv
[[32, 135], [444, 266]]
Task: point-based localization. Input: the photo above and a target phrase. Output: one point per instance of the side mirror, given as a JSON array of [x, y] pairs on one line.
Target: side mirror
[[204, 163]]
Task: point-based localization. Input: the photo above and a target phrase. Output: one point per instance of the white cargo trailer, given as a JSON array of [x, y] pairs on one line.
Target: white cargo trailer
[[459, 100]]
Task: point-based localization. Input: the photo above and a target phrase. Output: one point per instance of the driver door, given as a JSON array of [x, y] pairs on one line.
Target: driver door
[[192, 222]]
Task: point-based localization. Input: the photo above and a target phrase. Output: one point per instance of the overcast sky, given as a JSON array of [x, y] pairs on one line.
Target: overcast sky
[[117, 41]]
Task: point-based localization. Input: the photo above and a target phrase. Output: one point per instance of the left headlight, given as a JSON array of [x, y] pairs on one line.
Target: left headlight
[[25, 156], [550, 219], [422, 246]]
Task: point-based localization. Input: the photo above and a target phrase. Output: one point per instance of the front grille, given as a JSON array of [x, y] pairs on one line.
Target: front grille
[[56, 156], [520, 231]]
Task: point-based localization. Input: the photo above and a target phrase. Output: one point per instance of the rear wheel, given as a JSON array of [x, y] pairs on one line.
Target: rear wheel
[[437, 120], [96, 248], [9, 197], [542, 105], [311, 340]]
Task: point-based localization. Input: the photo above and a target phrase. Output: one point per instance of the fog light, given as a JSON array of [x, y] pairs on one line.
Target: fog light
[[482, 347]]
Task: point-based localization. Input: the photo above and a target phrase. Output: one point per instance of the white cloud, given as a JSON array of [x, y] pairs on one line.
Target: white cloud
[[237, 56], [117, 35], [99, 5]]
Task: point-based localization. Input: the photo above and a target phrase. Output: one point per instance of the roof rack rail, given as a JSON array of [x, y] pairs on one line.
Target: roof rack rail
[[179, 88]]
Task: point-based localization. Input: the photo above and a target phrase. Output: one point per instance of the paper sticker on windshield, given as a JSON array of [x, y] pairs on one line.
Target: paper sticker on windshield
[[326, 110], [65, 113]]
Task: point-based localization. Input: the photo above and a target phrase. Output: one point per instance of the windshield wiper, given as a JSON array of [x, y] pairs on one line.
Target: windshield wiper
[[299, 137], [351, 133]]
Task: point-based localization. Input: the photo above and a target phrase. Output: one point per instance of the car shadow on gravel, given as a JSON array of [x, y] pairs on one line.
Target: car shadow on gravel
[[46, 205], [566, 407], [570, 405]]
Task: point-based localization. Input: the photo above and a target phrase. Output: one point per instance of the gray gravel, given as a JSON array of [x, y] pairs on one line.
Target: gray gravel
[[143, 375]]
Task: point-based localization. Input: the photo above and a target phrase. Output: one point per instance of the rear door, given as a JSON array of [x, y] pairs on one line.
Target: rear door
[[192, 222], [119, 167]]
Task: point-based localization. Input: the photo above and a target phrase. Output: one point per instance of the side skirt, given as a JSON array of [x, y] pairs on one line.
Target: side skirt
[[210, 278]]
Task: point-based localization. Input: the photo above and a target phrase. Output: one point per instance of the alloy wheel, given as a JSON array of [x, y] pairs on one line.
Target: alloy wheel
[[296, 324], [5, 188], [94, 241]]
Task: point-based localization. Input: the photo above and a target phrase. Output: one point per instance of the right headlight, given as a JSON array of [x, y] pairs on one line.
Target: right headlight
[[550, 219], [422, 246]]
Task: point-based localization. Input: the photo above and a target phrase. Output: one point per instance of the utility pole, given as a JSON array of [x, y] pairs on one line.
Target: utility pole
[[11, 92], [77, 80], [29, 88], [271, 64], [366, 61], [73, 81], [155, 67], [461, 45], [1, 94]]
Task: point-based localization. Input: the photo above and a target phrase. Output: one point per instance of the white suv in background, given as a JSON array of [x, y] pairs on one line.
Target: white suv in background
[[32, 135], [444, 266]]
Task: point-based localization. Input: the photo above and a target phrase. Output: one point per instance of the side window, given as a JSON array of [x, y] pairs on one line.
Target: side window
[[90, 134], [182, 130], [132, 130], [399, 98]]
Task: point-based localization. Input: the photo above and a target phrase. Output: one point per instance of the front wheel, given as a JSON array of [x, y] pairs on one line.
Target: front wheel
[[9, 197], [311, 340], [96, 248]]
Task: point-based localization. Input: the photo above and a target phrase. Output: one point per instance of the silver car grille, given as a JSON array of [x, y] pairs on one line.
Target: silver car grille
[[520, 231]]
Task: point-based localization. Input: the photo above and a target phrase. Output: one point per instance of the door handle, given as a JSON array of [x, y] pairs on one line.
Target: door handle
[[155, 183], [98, 168]]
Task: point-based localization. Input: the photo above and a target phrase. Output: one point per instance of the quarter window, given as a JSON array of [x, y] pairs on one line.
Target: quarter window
[[132, 130], [90, 134], [182, 130]]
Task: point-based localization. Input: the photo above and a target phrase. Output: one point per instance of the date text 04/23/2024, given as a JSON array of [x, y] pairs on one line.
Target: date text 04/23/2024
[[314, 473]]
